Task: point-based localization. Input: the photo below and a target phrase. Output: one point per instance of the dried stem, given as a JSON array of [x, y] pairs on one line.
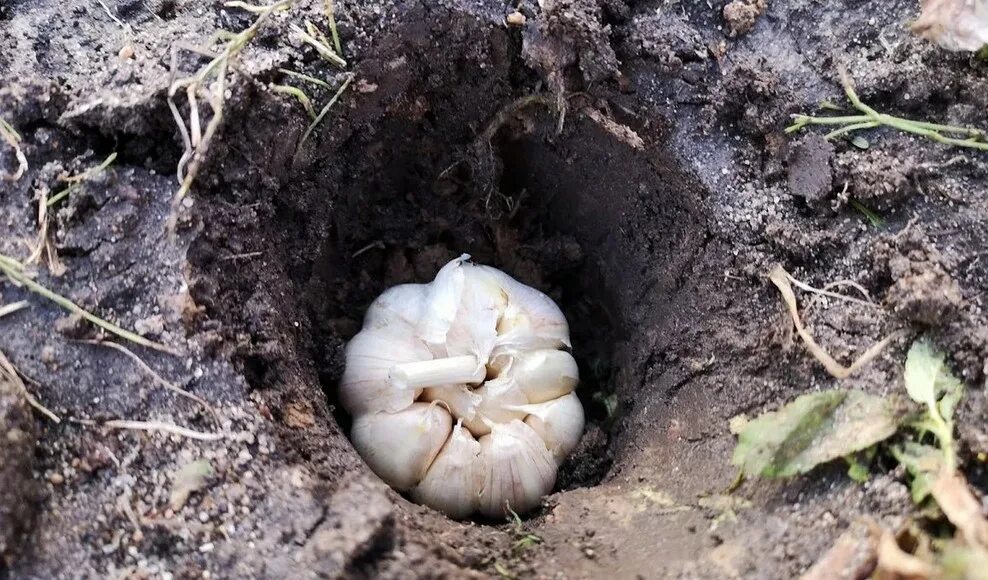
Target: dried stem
[[781, 279], [13, 139], [197, 142], [9, 373]]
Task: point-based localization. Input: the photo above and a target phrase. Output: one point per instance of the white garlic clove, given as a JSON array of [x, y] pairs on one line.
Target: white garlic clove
[[474, 331], [365, 386], [497, 397], [442, 301], [531, 319], [453, 483], [400, 447], [397, 309], [518, 470], [559, 423], [544, 375], [459, 399]]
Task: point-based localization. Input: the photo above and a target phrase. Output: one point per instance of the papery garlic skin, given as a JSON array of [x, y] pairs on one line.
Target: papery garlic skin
[[958, 25], [474, 348]]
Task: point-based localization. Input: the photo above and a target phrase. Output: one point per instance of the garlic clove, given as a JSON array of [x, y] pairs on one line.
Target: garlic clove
[[544, 375], [518, 470], [442, 301], [459, 399], [398, 308], [497, 397], [531, 319], [474, 331], [365, 386], [453, 482], [400, 447], [559, 423]]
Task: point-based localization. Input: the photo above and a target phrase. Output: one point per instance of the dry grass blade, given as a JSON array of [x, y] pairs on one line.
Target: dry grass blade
[[299, 95], [13, 307], [197, 143], [781, 279], [154, 375], [14, 140], [316, 40], [9, 373], [312, 126], [76, 180], [15, 272], [305, 77]]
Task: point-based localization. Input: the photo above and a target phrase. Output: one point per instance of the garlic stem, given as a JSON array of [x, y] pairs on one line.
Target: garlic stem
[[455, 370]]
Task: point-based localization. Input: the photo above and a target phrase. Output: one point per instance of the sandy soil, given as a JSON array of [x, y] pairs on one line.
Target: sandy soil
[[652, 211]]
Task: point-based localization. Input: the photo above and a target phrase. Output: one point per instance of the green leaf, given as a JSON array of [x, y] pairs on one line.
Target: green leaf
[[812, 430], [923, 462], [860, 142], [857, 471], [923, 365], [953, 392]]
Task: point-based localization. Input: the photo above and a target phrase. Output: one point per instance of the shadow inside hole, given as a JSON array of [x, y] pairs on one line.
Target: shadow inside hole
[[567, 235]]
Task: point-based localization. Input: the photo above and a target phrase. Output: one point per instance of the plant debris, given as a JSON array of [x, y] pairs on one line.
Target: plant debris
[[783, 281], [814, 429], [13, 139], [191, 478], [870, 119], [15, 272]]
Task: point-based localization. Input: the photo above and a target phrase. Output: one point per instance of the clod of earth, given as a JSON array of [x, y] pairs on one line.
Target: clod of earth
[[479, 347]]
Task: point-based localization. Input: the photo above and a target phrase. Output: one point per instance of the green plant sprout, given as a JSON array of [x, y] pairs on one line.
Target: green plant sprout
[[331, 17], [315, 123], [870, 119], [873, 218]]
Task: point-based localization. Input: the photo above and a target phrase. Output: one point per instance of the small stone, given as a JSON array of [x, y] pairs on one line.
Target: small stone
[[126, 53], [515, 19], [56, 478], [589, 553]]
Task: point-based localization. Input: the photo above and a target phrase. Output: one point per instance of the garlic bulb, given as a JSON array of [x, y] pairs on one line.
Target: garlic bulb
[[461, 392]]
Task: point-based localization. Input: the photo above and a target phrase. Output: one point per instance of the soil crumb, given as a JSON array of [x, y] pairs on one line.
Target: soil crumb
[[740, 15], [810, 174]]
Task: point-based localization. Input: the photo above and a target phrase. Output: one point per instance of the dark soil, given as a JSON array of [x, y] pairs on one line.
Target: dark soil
[[627, 158]]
